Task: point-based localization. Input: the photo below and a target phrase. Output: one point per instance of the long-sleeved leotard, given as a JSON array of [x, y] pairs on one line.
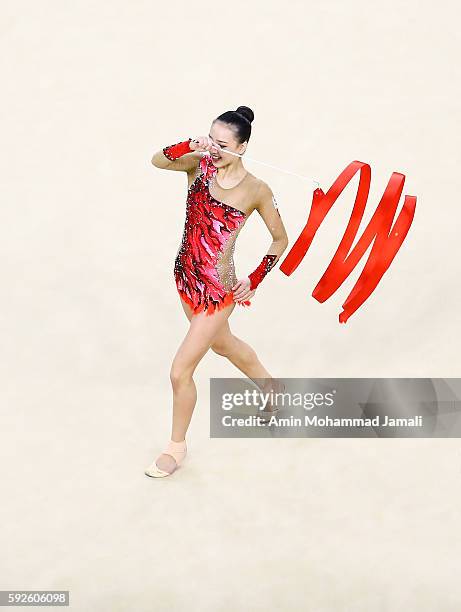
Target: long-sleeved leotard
[[204, 268]]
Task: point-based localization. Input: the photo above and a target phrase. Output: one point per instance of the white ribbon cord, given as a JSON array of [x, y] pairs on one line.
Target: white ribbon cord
[[269, 165]]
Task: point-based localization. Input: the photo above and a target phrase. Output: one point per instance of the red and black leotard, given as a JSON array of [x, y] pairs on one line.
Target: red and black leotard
[[204, 268]]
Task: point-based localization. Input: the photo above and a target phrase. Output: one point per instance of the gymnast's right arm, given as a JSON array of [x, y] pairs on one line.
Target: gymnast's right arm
[[183, 155]]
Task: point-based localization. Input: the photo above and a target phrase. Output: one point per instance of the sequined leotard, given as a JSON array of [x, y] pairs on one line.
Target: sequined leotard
[[204, 269], [204, 266]]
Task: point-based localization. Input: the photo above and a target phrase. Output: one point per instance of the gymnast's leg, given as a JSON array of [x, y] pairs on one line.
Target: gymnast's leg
[[244, 357], [202, 330], [241, 354]]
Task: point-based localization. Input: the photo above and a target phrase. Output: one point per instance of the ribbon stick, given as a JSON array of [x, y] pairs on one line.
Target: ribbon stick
[[316, 183]]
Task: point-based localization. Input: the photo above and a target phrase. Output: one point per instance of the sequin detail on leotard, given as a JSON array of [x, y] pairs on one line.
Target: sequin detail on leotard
[[204, 267]]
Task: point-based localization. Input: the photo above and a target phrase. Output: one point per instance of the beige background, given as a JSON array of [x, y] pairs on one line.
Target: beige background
[[90, 317]]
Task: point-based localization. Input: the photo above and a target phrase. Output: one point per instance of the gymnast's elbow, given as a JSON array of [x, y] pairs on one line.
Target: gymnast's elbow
[[284, 245], [159, 160], [283, 242]]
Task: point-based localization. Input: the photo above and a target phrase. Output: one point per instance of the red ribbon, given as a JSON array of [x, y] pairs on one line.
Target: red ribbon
[[386, 240]]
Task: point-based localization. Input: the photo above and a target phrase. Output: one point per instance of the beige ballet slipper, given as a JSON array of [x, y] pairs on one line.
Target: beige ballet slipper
[[176, 450]]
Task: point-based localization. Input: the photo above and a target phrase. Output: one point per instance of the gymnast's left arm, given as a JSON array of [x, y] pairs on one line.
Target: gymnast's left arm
[[266, 206]]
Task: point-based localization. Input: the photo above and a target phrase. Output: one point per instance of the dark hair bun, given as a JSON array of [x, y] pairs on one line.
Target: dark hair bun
[[246, 112]]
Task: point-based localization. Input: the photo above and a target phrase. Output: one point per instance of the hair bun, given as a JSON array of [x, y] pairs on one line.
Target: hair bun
[[246, 112]]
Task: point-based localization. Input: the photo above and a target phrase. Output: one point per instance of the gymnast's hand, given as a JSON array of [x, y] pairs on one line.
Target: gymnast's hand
[[202, 143], [242, 290]]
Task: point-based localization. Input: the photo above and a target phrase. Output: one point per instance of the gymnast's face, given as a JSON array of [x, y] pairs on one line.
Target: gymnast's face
[[223, 135]]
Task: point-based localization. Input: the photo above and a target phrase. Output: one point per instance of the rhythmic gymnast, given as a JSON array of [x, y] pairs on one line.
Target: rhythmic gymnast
[[221, 196]]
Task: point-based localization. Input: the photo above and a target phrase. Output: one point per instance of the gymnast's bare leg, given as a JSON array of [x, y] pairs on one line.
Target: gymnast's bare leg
[[205, 332], [202, 330]]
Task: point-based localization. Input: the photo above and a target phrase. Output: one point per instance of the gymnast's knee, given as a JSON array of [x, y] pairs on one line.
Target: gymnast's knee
[[221, 347], [179, 376]]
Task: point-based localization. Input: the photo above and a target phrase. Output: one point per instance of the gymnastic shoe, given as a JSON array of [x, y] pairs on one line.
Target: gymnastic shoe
[[169, 461]]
